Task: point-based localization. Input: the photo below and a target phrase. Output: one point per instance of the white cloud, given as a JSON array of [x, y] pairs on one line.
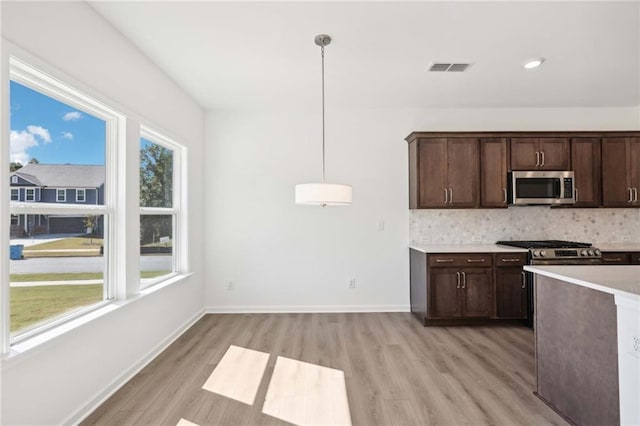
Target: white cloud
[[40, 132], [20, 142], [72, 116], [67, 135]]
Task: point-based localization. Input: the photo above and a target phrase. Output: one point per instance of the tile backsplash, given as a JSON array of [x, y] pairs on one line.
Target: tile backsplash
[[523, 223]]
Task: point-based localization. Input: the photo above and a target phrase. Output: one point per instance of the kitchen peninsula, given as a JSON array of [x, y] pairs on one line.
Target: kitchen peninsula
[[587, 326]]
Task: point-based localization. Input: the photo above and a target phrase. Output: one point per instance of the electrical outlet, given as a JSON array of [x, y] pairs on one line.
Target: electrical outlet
[[230, 286], [352, 283], [475, 239], [636, 345], [380, 226], [626, 238]]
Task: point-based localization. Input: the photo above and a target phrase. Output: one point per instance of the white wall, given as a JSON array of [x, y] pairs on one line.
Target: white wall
[[56, 381], [285, 257]]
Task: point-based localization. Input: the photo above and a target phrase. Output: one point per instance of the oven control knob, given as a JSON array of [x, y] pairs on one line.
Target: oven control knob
[[536, 253], [591, 253], [597, 252], [543, 253], [583, 253]]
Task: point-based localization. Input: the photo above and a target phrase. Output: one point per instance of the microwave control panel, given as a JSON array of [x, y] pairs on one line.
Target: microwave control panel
[[568, 187]]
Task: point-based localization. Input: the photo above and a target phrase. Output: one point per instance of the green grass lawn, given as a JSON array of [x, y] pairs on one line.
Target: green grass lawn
[[32, 305], [36, 304], [91, 245]]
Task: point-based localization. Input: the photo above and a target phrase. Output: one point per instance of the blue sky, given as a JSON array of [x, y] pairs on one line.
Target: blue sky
[[51, 131]]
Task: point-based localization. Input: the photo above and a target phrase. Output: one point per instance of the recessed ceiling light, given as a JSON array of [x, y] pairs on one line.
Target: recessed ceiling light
[[533, 63]]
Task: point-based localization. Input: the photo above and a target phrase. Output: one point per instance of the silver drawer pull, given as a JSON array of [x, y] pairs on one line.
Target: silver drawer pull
[[444, 260], [475, 260], [612, 259], [511, 260]]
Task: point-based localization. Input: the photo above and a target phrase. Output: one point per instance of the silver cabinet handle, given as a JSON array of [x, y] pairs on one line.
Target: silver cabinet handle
[[575, 191], [505, 194], [444, 260], [612, 259], [476, 260], [458, 274], [630, 200], [537, 158], [464, 279], [510, 260], [542, 155], [635, 192], [524, 279], [445, 196], [450, 195]]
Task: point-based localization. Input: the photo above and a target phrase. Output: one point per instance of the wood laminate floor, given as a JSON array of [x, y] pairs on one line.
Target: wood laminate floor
[[397, 372]]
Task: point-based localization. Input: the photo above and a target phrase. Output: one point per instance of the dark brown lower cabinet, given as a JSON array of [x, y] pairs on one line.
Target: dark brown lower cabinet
[[467, 288], [620, 258], [511, 292]]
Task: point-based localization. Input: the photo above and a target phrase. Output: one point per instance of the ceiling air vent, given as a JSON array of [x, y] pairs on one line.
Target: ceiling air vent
[[448, 67]]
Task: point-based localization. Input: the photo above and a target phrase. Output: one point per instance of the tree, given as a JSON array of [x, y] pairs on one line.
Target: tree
[[156, 176], [14, 165], [34, 160]]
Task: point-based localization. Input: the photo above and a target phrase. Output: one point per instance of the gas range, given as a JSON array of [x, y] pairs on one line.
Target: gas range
[[556, 252]]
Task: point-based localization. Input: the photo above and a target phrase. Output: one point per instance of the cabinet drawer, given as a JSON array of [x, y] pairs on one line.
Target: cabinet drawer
[[635, 258], [511, 259], [457, 259], [616, 258]]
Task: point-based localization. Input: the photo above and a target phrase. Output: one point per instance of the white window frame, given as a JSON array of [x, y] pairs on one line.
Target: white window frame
[[17, 194], [27, 75], [14, 179], [64, 195], [26, 194], [82, 191], [178, 244]]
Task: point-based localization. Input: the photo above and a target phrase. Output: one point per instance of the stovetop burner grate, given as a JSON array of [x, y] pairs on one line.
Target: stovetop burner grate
[[554, 244]]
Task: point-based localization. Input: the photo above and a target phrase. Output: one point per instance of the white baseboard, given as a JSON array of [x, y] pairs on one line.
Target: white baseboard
[[304, 309], [121, 380]]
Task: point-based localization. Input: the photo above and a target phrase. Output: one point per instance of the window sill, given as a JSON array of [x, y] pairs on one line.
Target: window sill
[[26, 346]]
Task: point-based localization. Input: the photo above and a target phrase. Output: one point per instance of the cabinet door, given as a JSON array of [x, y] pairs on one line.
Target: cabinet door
[[524, 154], [444, 293], [634, 168], [616, 258], [511, 293], [615, 177], [463, 172], [585, 162], [476, 301], [635, 258], [554, 153], [493, 172], [432, 172]]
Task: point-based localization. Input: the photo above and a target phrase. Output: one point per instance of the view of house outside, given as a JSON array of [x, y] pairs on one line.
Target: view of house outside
[[57, 157]]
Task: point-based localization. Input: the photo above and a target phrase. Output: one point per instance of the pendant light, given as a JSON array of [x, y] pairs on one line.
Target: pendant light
[[323, 194]]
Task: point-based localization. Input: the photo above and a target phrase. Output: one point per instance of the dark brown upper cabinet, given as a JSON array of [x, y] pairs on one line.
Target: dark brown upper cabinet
[[585, 162], [493, 172], [444, 173], [534, 153], [620, 172]]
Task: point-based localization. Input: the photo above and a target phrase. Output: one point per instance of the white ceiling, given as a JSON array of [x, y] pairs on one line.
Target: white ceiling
[[261, 55]]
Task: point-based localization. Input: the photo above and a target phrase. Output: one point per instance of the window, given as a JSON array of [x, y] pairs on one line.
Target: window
[[15, 220], [81, 195], [158, 208], [15, 194], [14, 179], [70, 162]]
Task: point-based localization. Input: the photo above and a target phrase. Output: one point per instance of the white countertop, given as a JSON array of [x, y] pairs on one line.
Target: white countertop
[[466, 248], [618, 246], [615, 279]]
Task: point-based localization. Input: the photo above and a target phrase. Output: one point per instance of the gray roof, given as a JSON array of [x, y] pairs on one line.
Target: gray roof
[[62, 175]]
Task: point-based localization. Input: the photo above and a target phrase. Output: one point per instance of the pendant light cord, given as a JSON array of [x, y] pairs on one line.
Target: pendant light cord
[[323, 150]]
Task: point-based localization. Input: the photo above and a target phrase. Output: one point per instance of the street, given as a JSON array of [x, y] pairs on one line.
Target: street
[[81, 264]]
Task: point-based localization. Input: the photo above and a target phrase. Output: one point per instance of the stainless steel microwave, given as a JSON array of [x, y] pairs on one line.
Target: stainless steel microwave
[[541, 188]]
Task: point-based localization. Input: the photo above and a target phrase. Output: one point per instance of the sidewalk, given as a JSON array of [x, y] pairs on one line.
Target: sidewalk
[[61, 282]]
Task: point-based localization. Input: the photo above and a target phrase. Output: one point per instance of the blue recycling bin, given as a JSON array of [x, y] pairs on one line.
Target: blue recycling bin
[[15, 252]]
